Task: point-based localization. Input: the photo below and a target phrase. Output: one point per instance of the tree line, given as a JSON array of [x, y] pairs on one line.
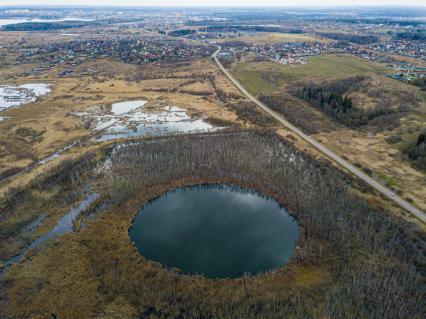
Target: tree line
[[354, 38]]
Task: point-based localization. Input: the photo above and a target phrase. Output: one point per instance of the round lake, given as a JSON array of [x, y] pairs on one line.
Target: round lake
[[215, 230]]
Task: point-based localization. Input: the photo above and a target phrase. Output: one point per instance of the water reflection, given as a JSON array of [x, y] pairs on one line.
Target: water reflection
[[218, 231]]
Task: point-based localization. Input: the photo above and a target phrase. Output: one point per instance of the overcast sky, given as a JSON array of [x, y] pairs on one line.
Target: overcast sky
[[215, 3]]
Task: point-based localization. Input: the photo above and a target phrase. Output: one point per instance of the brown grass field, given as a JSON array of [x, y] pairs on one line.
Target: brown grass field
[[362, 147], [51, 115]]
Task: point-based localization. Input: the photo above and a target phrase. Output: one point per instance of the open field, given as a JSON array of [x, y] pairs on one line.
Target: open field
[[367, 146], [267, 38], [269, 76]]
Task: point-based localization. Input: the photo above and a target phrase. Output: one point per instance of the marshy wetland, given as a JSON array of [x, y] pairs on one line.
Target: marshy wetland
[[16, 95], [337, 260], [129, 119], [34, 132]]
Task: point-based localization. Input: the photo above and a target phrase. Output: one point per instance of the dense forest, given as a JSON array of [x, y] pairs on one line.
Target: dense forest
[[249, 28], [386, 21], [417, 150], [182, 32], [354, 38], [42, 26], [352, 261], [416, 35], [57, 25], [421, 83]]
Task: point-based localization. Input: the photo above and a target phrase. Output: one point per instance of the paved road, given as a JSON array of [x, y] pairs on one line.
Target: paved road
[[336, 158]]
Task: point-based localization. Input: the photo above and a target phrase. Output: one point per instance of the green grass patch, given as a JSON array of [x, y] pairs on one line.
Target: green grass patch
[[333, 66], [267, 77], [388, 180], [253, 79]]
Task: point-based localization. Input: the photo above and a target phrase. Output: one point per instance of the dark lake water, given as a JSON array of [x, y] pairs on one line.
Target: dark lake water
[[215, 230]]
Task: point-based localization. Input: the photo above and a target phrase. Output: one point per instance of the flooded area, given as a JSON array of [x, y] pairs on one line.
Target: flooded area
[[4, 22], [130, 119], [219, 231], [122, 108], [70, 34], [13, 96], [64, 225]]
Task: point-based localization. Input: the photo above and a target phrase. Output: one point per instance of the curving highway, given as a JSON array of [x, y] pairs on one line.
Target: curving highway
[[336, 158]]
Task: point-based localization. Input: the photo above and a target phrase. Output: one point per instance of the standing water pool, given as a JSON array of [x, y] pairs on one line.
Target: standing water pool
[[218, 231]]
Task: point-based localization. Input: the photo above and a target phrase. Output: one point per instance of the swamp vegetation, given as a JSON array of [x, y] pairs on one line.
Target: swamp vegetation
[[351, 261]]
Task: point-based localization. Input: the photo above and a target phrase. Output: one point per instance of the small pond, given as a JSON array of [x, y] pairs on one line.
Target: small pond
[[216, 230]]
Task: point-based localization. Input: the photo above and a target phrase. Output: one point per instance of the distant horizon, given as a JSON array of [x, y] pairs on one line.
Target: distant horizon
[[204, 6], [221, 4]]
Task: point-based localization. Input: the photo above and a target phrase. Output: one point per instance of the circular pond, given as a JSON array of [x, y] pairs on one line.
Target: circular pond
[[215, 230]]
